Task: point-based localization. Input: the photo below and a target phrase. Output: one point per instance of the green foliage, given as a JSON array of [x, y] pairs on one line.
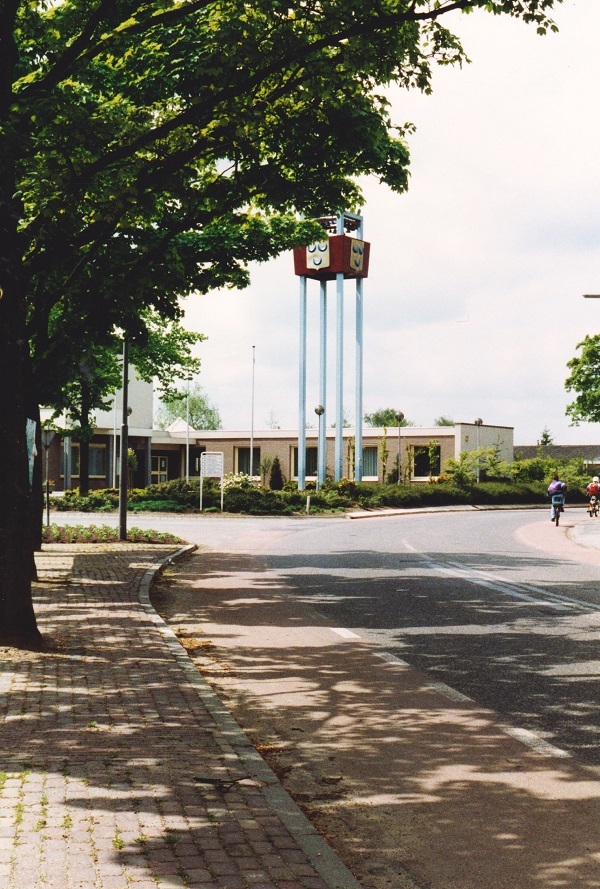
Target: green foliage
[[546, 437], [535, 469], [202, 414], [384, 453], [252, 500], [156, 506], [276, 477], [386, 417], [526, 482], [444, 420], [151, 151], [463, 471], [584, 380], [105, 499], [263, 468], [93, 534]]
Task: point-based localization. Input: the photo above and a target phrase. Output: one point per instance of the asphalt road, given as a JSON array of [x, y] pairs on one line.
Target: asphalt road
[[485, 602]]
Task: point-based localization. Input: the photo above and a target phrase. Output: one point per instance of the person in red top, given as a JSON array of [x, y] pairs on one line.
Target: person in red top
[[593, 489]]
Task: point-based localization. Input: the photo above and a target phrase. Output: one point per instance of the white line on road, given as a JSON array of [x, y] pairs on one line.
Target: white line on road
[[523, 591], [523, 735], [345, 634]]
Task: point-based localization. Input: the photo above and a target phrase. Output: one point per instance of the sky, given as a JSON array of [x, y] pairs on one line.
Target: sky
[[474, 300]]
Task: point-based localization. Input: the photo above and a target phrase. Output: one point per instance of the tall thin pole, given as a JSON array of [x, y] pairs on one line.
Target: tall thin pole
[[252, 417], [114, 460], [123, 477], [322, 449], [302, 389], [358, 457], [339, 420], [187, 432]]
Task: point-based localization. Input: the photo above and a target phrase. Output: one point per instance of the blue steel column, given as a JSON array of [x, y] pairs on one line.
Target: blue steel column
[[358, 449], [322, 449], [358, 455], [302, 390], [339, 418]]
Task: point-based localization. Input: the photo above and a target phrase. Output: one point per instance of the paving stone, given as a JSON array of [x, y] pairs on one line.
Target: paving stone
[[103, 735]]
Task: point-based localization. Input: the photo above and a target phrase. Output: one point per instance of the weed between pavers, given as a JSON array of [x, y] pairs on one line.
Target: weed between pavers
[[172, 838]]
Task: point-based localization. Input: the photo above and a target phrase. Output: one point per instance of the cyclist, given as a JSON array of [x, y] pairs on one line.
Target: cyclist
[[556, 491], [593, 490]]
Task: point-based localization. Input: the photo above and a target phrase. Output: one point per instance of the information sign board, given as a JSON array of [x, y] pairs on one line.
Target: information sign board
[[211, 466]]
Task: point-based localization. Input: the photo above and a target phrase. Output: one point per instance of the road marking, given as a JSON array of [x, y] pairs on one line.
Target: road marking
[[451, 693], [345, 634], [391, 658], [523, 735], [530, 739], [524, 591]]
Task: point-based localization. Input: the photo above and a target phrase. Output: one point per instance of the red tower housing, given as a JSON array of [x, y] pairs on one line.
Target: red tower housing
[[325, 259]]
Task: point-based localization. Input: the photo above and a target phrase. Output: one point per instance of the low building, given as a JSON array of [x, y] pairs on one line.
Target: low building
[[163, 455]]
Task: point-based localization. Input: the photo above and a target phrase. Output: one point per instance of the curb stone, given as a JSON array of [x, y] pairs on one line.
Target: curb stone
[[322, 857]]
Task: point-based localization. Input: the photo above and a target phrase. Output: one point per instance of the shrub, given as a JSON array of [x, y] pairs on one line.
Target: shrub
[[156, 506], [107, 498], [94, 534], [276, 478]]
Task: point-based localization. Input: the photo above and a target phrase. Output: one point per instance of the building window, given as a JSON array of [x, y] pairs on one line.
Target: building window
[[97, 461], [160, 470], [311, 462], [426, 461], [243, 461], [370, 462]]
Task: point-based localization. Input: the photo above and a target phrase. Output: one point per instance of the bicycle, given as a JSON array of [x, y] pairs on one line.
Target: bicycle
[[558, 506], [593, 506]]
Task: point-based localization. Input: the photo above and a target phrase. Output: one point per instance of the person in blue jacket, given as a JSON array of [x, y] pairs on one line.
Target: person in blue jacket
[[556, 488]]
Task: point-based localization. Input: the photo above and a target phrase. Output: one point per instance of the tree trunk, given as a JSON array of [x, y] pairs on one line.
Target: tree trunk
[[84, 441], [37, 500], [17, 618]]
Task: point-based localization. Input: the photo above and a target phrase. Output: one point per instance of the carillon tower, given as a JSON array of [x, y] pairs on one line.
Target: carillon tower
[[341, 255]]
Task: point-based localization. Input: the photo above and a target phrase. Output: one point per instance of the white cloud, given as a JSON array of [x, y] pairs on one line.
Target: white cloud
[[474, 303]]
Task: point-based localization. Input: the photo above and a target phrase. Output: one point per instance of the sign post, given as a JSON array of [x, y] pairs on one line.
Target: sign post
[[47, 439], [211, 466]]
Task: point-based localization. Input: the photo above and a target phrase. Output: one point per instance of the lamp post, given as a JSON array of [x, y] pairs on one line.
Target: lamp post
[[123, 477], [479, 423], [187, 432], [399, 417], [251, 473], [319, 411]]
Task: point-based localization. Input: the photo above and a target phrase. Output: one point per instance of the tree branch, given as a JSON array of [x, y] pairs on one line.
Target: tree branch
[[76, 52]]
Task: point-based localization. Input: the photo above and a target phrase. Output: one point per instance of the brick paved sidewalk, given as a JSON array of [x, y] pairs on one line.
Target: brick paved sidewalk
[[119, 768]]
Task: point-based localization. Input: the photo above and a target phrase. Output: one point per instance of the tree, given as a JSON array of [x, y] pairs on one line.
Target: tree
[[273, 421], [345, 420], [384, 453], [276, 477], [164, 353], [386, 417], [546, 437], [140, 162], [202, 414], [584, 379], [444, 420]]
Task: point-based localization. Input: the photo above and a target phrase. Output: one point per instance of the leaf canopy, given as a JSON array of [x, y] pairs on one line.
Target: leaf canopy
[[584, 380], [159, 147]]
